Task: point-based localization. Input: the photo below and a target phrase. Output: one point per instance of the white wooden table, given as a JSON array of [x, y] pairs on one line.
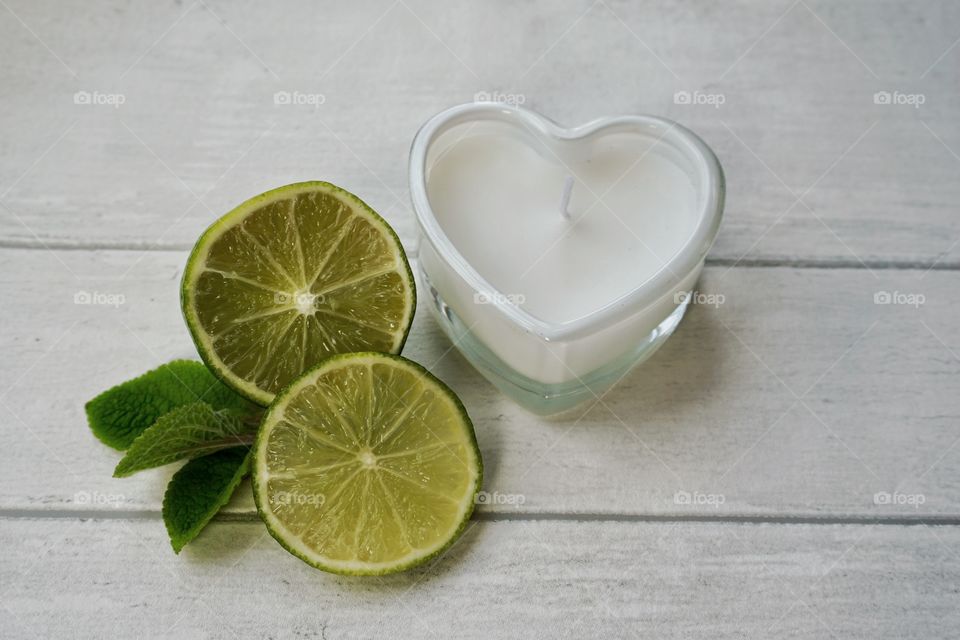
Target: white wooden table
[[782, 412]]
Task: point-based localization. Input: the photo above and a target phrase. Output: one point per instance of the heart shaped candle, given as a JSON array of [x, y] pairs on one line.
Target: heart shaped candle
[[557, 259]]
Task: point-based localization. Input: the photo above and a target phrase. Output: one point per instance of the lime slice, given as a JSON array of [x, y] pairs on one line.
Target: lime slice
[[366, 465], [291, 277]]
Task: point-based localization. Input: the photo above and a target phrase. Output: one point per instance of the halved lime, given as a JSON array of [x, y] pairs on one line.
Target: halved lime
[[366, 465], [291, 277]]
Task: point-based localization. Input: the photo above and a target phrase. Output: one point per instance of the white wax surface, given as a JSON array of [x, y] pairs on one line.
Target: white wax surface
[[497, 198]]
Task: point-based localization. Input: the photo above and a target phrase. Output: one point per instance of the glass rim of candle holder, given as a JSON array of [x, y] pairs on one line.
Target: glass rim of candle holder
[[704, 169]]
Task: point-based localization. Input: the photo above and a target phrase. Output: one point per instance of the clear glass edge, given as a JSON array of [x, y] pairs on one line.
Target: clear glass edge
[[682, 263]]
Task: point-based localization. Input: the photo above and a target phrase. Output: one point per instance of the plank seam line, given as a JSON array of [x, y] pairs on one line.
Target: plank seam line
[[800, 519], [796, 263]]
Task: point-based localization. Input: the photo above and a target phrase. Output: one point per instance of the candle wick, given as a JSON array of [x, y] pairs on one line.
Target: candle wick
[[565, 198]]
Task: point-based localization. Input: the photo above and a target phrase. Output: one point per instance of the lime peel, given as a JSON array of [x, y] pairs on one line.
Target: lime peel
[[366, 465], [290, 277]]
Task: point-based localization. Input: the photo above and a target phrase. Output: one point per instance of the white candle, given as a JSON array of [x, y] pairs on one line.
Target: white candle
[[555, 256], [496, 199]]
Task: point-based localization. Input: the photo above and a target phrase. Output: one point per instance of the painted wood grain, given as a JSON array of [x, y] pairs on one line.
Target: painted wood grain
[[817, 381], [816, 170], [786, 392], [99, 578]]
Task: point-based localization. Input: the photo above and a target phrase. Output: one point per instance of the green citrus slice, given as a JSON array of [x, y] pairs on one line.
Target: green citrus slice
[[366, 465], [291, 277]]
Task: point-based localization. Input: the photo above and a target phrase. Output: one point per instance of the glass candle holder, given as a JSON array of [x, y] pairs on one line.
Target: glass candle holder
[[557, 259]]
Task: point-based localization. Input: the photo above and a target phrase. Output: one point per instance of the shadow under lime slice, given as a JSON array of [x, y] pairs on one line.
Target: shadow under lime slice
[[291, 277], [366, 465]]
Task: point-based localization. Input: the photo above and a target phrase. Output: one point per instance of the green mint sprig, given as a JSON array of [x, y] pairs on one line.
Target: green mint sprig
[[198, 490], [180, 411], [190, 431], [117, 416]]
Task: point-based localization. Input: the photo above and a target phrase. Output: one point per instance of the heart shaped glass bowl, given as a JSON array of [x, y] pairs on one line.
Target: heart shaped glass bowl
[[549, 365]]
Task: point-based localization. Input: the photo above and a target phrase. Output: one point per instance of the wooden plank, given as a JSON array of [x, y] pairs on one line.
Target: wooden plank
[[99, 578], [798, 395], [199, 131]]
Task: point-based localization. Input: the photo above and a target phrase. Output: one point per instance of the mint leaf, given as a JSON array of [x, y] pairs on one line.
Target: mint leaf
[[189, 431], [119, 415], [198, 490]]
